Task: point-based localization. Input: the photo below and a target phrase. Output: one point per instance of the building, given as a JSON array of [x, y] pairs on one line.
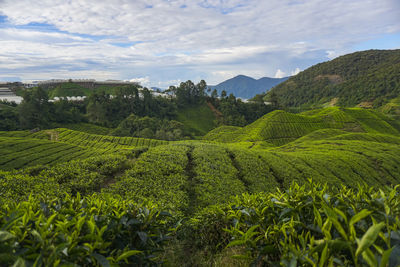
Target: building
[[86, 83]]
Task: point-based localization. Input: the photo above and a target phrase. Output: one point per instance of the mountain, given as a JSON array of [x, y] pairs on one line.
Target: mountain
[[367, 78], [247, 87]]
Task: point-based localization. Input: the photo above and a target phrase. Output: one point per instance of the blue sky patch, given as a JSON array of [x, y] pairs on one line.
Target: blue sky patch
[[385, 41]]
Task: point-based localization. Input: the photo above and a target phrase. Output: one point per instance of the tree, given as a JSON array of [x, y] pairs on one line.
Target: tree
[[97, 107], [34, 110], [223, 94], [214, 94], [274, 100]]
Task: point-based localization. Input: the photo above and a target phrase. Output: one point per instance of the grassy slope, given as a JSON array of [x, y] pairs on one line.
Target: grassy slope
[[392, 108], [198, 120], [87, 128], [20, 152], [190, 175], [280, 127], [187, 176], [23, 148], [205, 174]]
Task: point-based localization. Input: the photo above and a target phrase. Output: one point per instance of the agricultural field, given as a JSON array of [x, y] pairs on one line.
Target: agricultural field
[[23, 148], [317, 188], [280, 127], [23, 152], [87, 128]]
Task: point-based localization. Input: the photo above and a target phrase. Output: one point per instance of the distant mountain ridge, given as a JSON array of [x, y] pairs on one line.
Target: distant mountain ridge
[[246, 87]]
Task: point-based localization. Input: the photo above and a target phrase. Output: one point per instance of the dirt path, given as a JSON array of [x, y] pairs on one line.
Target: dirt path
[[216, 112]]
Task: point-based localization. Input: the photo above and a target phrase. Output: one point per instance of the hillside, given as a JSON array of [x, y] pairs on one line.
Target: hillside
[[23, 148], [123, 200], [371, 76], [246, 87], [187, 176], [198, 119], [280, 127]]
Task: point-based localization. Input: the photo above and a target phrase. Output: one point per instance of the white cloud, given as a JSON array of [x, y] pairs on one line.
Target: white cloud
[[279, 74], [295, 72], [143, 81], [167, 40]]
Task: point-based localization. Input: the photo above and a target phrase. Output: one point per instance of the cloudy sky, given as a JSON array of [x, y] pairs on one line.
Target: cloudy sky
[[163, 42]]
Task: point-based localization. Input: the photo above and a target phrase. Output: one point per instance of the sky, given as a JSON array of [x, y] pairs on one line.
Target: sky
[[163, 42]]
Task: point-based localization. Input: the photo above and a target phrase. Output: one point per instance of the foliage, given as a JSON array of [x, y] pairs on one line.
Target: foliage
[[9, 118], [354, 78], [280, 127], [34, 110], [90, 231], [317, 225], [69, 89], [157, 175], [87, 128], [18, 152], [197, 119], [216, 178], [147, 127], [235, 112], [84, 176], [107, 110], [188, 93]]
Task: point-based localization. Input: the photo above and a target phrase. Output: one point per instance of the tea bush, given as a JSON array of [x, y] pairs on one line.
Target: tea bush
[[308, 225], [82, 231]]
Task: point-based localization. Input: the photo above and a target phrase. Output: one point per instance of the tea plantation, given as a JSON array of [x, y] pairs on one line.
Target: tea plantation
[[311, 189]]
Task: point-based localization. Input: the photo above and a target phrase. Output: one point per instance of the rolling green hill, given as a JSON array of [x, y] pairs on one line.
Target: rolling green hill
[[280, 127], [23, 152], [125, 200], [23, 148], [367, 76]]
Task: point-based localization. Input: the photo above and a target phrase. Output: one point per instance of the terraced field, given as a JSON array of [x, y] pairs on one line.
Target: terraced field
[[206, 174], [87, 128], [19, 152], [205, 187], [22, 148], [279, 127]]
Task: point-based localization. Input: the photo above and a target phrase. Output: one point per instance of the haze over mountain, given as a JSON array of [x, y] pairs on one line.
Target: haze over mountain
[[246, 87]]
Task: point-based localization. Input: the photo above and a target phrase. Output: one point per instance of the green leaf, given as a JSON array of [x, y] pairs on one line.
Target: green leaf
[[91, 226], [385, 258], [369, 257], [37, 236], [359, 216], [128, 254], [4, 236], [19, 263], [324, 256], [369, 237], [101, 260], [236, 243]]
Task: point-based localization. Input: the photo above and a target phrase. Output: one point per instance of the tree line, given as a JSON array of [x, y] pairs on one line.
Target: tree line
[[130, 110]]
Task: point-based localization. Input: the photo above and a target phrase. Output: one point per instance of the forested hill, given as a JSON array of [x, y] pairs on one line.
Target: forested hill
[[369, 76], [246, 87]]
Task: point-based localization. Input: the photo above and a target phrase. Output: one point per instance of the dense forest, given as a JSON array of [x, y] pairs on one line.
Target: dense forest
[[367, 76]]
